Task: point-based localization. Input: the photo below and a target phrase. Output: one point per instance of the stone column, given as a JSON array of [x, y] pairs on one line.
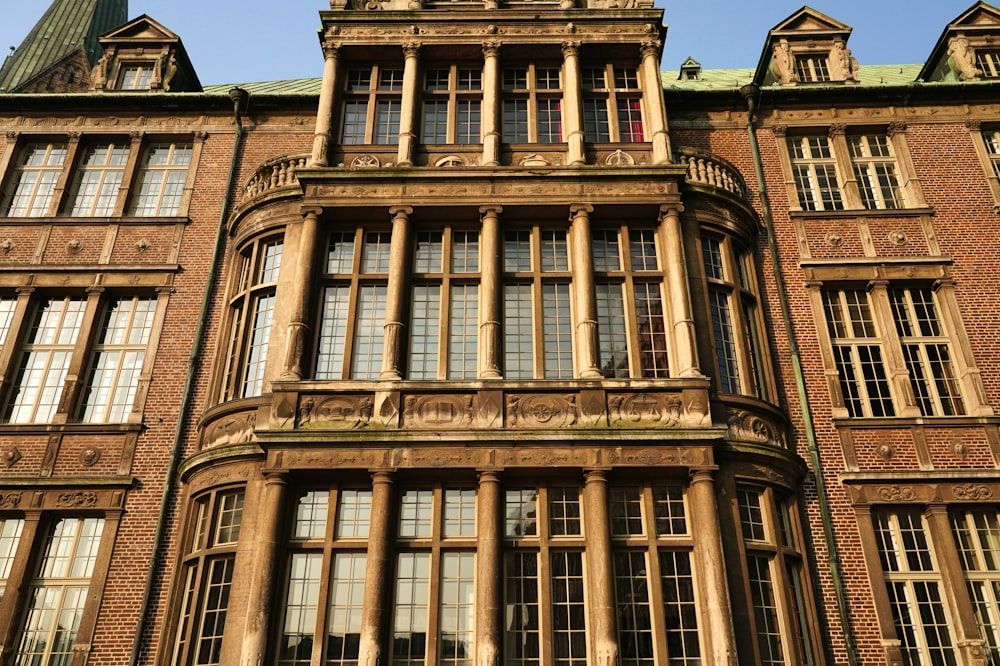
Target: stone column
[[601, 575], [583, 288], [653, 91], [408, 106], [298, 325], [489, 592], [686, 363], [572, 106], [490, 294], [396, 293], [720, 639], [324, 115], [491, 103], [263, 581], [377, 568]]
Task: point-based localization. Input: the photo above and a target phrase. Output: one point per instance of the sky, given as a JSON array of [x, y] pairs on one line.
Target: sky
[[242, 41]]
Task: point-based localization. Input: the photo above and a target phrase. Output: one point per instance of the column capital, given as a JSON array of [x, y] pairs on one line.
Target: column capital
[[670, 209], [490, 211], [489, 476], [276, 477], [703, 475], [837, 129], [12, 136], [331, 50], [311, 211], [411, 49], [382, 476], [596, 475], [578, 210], [491, 48], [877, 284], [946, 282], [896, 127], [571, 47], [650, 47], [397, 212]]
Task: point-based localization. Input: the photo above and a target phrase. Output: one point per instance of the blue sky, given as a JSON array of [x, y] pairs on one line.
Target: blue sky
[[236, 41]]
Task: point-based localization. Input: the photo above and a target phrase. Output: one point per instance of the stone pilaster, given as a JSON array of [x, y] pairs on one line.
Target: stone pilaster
[[490, 290], [324, 115], [583, 279], [396, 294], [675, 271]]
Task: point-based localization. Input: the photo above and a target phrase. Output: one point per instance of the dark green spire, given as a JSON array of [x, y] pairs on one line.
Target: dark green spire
[[68, 28]]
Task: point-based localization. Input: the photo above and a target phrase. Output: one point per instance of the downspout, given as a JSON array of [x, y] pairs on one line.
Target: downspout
[[240, 98], [751, 93]]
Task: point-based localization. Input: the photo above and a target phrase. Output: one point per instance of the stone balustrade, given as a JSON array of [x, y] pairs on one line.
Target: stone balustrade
[[275, 174], [704, 168]]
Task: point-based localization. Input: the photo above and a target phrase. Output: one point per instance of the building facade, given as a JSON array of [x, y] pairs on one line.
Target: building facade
[[498, 344]]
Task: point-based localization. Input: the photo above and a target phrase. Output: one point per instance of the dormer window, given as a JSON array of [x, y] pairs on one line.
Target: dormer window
[[988, 62], [812, 68], [137, 76]]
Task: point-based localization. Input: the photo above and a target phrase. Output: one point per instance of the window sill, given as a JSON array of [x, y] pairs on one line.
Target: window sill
[[898, 422], [65, 220], [858, 212], [69, 428]]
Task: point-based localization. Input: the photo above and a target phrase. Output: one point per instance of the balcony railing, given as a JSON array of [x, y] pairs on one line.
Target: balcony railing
[[275, 174], [704, 168]]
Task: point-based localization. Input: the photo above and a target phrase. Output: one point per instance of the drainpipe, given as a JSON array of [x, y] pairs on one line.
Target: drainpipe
[[240, 98], [751, 93]]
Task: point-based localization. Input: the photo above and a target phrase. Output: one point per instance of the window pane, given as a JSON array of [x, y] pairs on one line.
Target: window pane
[[522, 638], [625, 511], [332, 333], [296, 640], [558, 331], [679, 609], [34, 181], [564, 511], [368, 333], [652, 328], [612, 338], [310, 515], [415, 513], [347, 597], [635, 627], [99, 177], [161, 180], [463, 329], [409, 638], [517, 332], [425, 331], [457, 606], [353, 514], [569, 631], [459, 513], [521, 513]]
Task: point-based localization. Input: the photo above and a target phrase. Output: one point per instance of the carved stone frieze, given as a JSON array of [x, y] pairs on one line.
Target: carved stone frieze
[[77, 500], [439, 411], [342, 412], [231, 429], [748, 427], [972, 492], [541, 411], [896, 494], [645, 409], [10, 500]]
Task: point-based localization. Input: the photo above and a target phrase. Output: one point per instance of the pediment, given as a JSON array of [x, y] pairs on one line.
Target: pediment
[[143, 29], [809, 20], [980, 14], [968, 49], [807, 47]]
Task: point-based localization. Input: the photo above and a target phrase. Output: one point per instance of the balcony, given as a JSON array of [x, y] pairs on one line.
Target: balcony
[[708, 170]]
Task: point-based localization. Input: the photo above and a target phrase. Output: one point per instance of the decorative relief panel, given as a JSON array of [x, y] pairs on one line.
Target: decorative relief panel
[[231, 429], [433, 412], [541, 411], [746, 426], [341, 412], [10, 500], [646, 409]]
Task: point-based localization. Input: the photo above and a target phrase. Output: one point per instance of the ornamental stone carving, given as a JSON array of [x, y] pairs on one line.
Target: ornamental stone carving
[[342, 412], [365, 162], [963, 58], [645, 409], [10, 456], [896, 494], [90, 456], [619, 158], [10, 500], [77, 499], [748, 427], [541, 411], [438, 411], [972, 492], [233, 429]]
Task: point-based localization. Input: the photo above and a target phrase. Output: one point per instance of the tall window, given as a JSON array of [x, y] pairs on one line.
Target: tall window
[[452, 105], [57, 594], [992, 140], [45, 360], [372, 106], [775, 577], [444, 310], [631, 313], [544, 605], [532, 105], [733, 310], [7, 307], [160, 186], [327, 554], [654, 583], [256, 273], [857, 352], [207, 572], [434, 591], [977, 535], [118, 359], [10, 537], [538, 331], [914, 586], [352, 310], [875, 168], [815, 170], [98, 179], [612, 105], [33, 182]]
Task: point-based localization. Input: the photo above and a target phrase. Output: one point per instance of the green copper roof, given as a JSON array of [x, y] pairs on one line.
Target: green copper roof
[[286, 87], [65, 28], [722, 79]]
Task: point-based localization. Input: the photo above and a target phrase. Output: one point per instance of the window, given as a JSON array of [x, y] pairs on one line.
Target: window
[[733, 312], [631, 318], [136, 76], [812, 68], [10, 537], [98, 179], [992, 141], [875, 169], [207, 572], [775, 576], [452, 105], [653, 573], [352, 309], [372, 106], [256, 272], [612, 105], [327, 552], [977, 535], [815, 171], [57, 595], [914, 587], [544, 605], [858, 340], [532, 105], [33, 183], [444, 310], [162, 176], [537, 323], [988, 62]]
